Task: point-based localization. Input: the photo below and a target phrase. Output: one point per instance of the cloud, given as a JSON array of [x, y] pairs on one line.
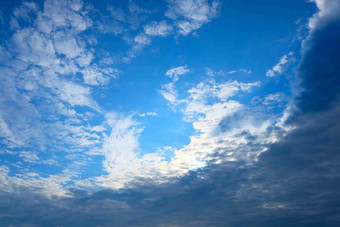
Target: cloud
[[177, 71], [187, 16], [168, 91], [29, 157], [46, 72], [271, 99], [211, 72], [141, 40], [124, 162], [148, 114], [62, 14], [327, 10], [206, 106], [281, 66], [293, 181], [190, 15], [75, 94], [157, 29], [98, 76]]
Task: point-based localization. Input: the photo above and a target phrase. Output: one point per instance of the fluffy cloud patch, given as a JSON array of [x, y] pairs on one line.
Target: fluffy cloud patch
[[190, 15]]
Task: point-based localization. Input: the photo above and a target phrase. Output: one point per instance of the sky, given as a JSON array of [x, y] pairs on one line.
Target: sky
[[170, 113]]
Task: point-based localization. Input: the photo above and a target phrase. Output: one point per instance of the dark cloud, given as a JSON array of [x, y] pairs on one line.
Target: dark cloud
[[320, 70]]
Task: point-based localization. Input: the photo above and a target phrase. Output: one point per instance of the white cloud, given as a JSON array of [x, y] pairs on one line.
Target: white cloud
[[85, 58], [42, 87], [197, 103], [168, 90], [121, 146], [148, 114], [11, 140], [169, 94], [66, 44], [34, 47], [29, 156], [207, 105], [157, 29], [97, 76], [187, 16], [272, 98], [281, 66], [57, 55], [123, 161], [328, 10], [190, 15], [141, 40], [49, 186], [126, 166], [63, 15], [210, 72], [177, 71]]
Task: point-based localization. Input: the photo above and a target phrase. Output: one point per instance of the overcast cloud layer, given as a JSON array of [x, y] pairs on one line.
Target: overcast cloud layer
[[87, 142]]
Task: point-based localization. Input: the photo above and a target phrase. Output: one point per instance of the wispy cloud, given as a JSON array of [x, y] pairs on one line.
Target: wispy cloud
[[190, 15], [281, 66], [211, 72], [157, 29], [148, 114], [168, 91], [186, 15]]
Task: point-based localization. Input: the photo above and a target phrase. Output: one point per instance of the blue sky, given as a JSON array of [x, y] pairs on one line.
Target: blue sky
[[177, 107]]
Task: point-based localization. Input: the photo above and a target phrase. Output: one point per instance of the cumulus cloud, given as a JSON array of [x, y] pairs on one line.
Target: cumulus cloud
[[328, 10], [206, 106]]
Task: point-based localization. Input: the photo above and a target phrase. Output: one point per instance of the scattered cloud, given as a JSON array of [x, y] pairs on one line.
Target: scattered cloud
[[157, 29], [211, 72], [190, 15], [281, 66], [148, 114], [98, 76], [239, 168], [141, 40]]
